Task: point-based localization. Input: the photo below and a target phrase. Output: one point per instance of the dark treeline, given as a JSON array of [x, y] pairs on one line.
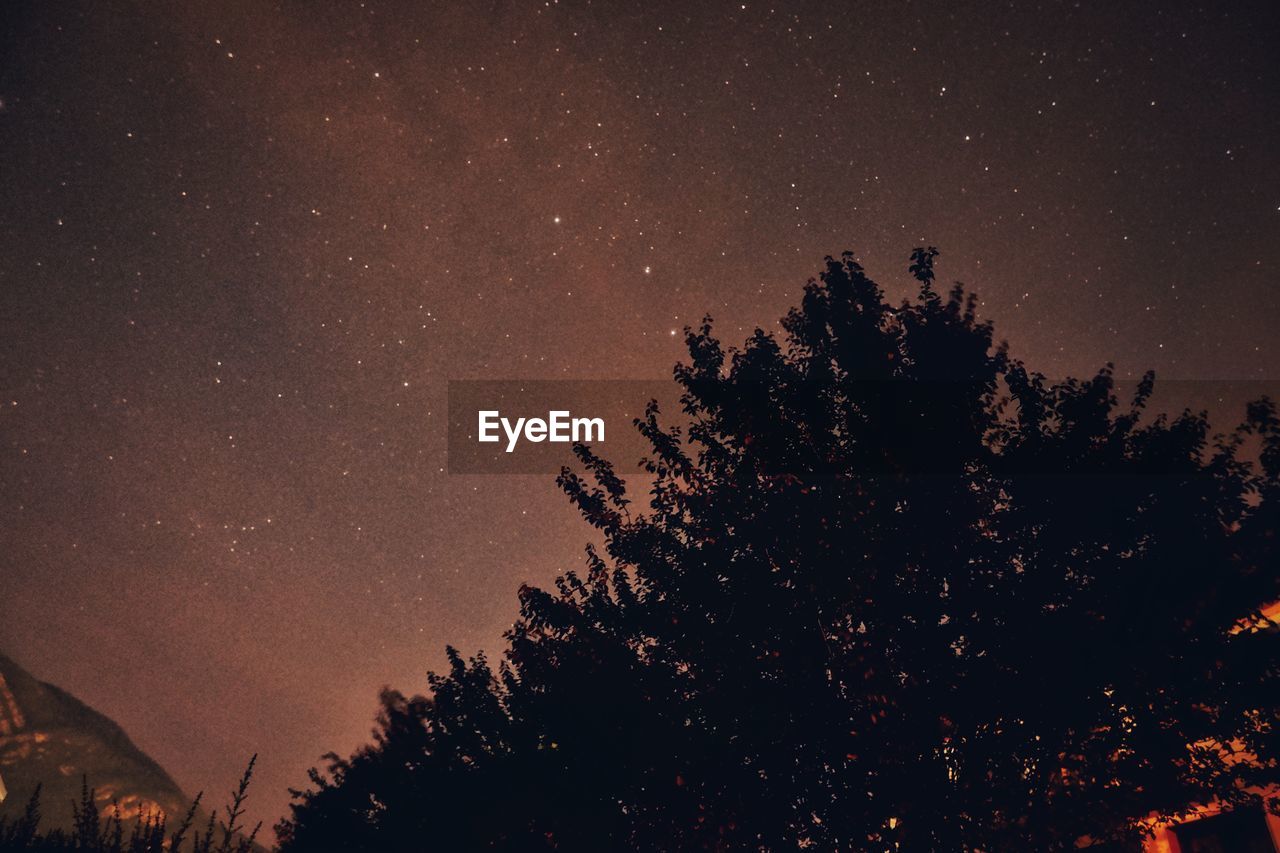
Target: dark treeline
[[892, 591]]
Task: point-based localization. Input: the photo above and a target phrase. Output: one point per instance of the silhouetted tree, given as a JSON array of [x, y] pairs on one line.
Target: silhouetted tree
[[892, 591]]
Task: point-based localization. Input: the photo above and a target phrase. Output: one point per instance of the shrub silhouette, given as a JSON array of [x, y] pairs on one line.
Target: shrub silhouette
[[96, 832], [892, 590]]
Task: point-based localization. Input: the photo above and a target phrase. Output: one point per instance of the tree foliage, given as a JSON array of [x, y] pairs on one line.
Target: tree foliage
[[892, 590]]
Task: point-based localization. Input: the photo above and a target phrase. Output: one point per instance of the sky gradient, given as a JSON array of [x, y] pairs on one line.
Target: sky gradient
[[243, 248]]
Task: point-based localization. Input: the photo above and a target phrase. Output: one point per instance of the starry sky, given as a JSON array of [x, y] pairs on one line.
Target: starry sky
[[244, 246]]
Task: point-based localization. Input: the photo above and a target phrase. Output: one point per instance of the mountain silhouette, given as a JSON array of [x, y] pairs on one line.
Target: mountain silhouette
[[50, 738]]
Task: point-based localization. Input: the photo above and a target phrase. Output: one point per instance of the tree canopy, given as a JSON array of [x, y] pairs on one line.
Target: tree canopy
[[890, 589]]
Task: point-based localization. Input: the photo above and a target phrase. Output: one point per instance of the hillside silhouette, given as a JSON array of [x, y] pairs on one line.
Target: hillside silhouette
[[73, 780], [50, 738], [889, 590]]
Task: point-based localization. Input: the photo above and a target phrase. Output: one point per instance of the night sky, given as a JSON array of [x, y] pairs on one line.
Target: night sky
[[244, 247]]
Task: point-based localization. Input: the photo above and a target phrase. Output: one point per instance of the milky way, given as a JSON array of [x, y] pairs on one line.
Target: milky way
[[243, 249]]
